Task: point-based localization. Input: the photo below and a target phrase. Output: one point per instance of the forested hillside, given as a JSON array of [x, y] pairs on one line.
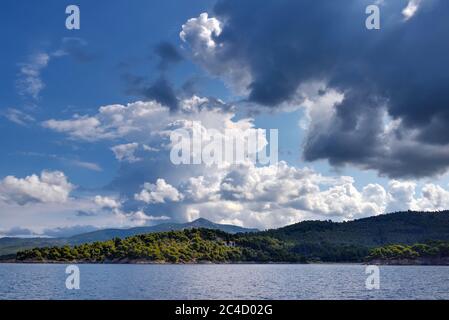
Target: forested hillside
[[308, 241]]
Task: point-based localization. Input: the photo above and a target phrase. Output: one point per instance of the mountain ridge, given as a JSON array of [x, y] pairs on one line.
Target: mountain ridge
[[10, 245], [324, 239]]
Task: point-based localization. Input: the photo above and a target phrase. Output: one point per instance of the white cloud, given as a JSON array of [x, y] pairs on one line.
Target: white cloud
[[411, 9], [401, 195], [201, 34], [29, 80], [274, 196], [158, 193], [85, 164], [262, 197], [141, 121], [85, 128], [49, 187], [434, 197], [75, 162], [17, 116], [125, 152], [107, 202]]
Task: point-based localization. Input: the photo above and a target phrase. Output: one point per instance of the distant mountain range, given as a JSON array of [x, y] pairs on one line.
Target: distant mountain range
[[10, 245]]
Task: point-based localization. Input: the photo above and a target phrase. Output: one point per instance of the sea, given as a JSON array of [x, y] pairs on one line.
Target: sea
[[223, 281]]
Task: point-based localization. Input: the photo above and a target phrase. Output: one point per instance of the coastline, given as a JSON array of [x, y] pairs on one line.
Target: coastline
[[412, 262], [393, 262], [378, 262]]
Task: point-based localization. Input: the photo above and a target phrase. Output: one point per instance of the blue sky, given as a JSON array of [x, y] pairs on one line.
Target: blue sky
[[72, 86], [353, 139]]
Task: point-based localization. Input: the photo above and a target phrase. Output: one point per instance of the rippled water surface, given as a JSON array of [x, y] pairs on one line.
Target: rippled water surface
[[26, 281]]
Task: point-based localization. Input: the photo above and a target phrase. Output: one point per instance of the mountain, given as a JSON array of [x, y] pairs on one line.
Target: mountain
[[181, 246], [407, 227], [107, 234], [402, 236], [12, 245], [312, 240]]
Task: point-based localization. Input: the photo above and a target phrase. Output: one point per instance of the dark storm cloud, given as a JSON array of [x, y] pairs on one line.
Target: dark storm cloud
[[168, 55], [162, 91], [402, 68]]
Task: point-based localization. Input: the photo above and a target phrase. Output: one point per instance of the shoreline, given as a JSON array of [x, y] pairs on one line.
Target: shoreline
[[377, 263]]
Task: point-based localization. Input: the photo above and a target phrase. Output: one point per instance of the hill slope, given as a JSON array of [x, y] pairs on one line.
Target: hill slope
[[182, 246], [312, 240], [401, 227], [107, 234], [12, 245]]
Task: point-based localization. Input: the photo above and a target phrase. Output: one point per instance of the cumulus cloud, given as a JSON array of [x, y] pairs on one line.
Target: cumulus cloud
[[393, 120], [201, 35], [125, 152], [107, 202], [158, 193], [249, 195], [274, 196], [45, 205], [49, 187], [200, 32], [141, 121]]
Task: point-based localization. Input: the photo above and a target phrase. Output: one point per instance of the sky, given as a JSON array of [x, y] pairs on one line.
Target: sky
[[85, 114]]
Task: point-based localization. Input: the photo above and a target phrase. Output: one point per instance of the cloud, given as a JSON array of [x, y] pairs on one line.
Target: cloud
[[141, 121], [107, 202], [411, 9], [18, 232], [125, 152], [162, 91], [63, 232], [49, 187], [18, 117], [158, 193], [249, 195], [201, 34], [86, 128], [29, 82], [168, 55], [79, 213], [85, 164], [391, 119], [75, 48], [75, 162], [274, 196]]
